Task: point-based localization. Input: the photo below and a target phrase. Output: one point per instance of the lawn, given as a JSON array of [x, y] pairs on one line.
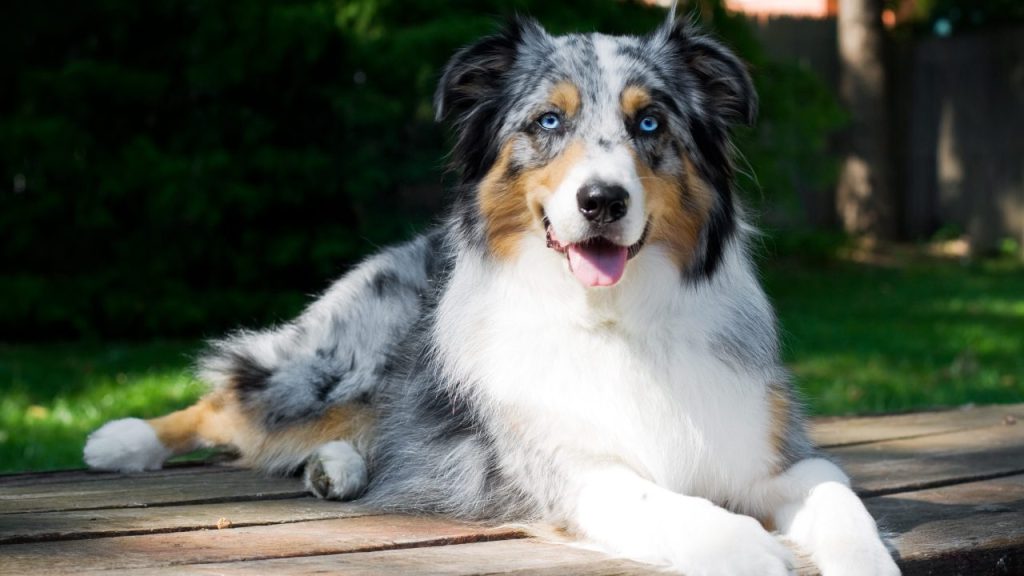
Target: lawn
[[859, 338]]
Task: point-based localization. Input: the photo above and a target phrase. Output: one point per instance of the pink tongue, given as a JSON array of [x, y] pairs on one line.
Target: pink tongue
[[597, 264]]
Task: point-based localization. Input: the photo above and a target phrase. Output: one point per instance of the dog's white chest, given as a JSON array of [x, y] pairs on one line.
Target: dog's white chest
[[655, 399]]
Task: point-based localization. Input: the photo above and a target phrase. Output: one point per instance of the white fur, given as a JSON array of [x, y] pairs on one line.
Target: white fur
[[649, 391], [612, 167], [826, 518], [127, 445], [637, 519], [345, 468], [620, 389]]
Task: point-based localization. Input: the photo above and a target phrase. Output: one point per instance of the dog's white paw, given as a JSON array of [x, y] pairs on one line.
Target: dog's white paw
[[727, 544], [128, 445], [835, 527], [869, 557], [336, 472]]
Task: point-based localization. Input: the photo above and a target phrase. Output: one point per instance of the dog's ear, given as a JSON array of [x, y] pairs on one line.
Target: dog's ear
[[478, 71], [722, 76]]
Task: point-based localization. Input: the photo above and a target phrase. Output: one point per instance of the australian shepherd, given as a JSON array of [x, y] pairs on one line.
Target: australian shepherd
[[583, 341]]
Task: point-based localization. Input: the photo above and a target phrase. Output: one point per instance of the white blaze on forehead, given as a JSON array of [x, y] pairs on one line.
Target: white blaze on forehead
[[612, 67], [612, 163]]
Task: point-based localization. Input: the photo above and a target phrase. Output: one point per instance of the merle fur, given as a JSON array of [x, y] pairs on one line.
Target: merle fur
[[369, 337]]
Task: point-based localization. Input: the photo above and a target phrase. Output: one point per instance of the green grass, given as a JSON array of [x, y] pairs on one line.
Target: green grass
[[859, 338], [55, 394], [863, 338]]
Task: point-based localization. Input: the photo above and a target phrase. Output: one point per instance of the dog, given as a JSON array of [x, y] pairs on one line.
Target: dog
[[581, 341]]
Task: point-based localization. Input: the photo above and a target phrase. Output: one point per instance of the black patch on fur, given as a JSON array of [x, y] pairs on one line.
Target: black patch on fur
[[452, 418], [327, 352], [386, 283], [631, 51], [471, 93], [715, 167], [247, 375], [721, 75]]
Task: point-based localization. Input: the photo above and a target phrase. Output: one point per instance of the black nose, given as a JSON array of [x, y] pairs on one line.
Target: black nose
[[602, 203]]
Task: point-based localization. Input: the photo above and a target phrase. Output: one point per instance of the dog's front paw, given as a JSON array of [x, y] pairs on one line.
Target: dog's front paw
[[865, 558], [726, 544], [336, 472]]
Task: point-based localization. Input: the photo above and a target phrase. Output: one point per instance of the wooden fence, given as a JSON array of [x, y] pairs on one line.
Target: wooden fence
[[957, 113]]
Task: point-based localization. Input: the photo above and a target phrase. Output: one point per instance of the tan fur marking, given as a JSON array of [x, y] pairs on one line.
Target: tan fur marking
[[778, 411], [634, 99], [179, 431], [566, 96], [351, 422], [217, 419], [512, 206], [677, 214]]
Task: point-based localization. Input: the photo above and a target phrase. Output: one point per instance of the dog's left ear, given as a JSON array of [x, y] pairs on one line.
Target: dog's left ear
[[471, 89], [478, 71], [720, 73]]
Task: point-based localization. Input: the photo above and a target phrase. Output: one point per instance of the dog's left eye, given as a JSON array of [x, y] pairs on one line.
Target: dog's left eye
[[550, 121], [648, 124]]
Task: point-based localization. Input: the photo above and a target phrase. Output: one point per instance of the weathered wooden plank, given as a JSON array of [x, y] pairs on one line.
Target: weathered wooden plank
[[975, 528], [140, 490], [928, 461], [78, 524], [830, 432], [357, 534], [503, 557], [79, 476]]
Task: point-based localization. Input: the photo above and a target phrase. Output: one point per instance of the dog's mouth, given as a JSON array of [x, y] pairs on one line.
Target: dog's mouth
[[597, 261]]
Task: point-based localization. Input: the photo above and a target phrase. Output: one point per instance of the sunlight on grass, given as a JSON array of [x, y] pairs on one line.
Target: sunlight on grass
[[863, 338], [56, 394]]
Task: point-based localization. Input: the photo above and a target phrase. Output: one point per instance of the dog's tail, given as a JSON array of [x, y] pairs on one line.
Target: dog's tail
[[218, 419]]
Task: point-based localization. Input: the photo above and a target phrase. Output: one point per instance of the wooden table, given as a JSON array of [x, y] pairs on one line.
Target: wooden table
[[948, 485]]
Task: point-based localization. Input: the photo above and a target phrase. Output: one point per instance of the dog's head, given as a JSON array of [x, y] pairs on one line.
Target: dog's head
[[601, 145]]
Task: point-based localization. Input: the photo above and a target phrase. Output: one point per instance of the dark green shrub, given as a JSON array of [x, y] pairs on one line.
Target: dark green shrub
[[180, 167]]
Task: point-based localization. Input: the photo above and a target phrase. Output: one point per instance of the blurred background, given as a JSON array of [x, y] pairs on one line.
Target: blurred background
[[173, 169]]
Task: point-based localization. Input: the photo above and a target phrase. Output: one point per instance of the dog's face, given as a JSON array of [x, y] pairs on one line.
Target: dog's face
[[599, 144]]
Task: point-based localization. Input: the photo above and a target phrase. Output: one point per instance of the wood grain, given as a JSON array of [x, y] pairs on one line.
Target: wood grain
[[972, 528], [237, 544], [78, 524], [929, 461], [831, 432], [505, 557], [122, 491]]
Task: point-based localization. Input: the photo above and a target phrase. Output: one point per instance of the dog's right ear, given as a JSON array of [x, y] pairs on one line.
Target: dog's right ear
[[477, 72]]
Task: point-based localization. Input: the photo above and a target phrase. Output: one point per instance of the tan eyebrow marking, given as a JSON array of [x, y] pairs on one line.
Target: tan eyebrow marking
[[566, 96], [634, 99]]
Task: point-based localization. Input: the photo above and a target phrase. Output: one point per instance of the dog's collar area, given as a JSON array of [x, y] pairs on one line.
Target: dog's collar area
[[560, 248]]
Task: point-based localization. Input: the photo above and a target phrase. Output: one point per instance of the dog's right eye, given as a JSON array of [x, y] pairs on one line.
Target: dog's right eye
[[550, 121]]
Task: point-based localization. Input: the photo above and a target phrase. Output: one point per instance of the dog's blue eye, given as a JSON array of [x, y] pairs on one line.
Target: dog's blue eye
[[648, 124], [550, 121]]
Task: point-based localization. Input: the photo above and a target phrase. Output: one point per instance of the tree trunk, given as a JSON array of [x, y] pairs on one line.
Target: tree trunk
[[865, 199]]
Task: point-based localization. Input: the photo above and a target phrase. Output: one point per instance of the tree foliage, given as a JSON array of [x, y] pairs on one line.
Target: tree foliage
[[179, 167]]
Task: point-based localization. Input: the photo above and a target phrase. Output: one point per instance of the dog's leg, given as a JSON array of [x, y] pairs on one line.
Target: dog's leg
[[632, 517], [328, 441], [823, 516], [280, 394], [336, 471], [134, 445]]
